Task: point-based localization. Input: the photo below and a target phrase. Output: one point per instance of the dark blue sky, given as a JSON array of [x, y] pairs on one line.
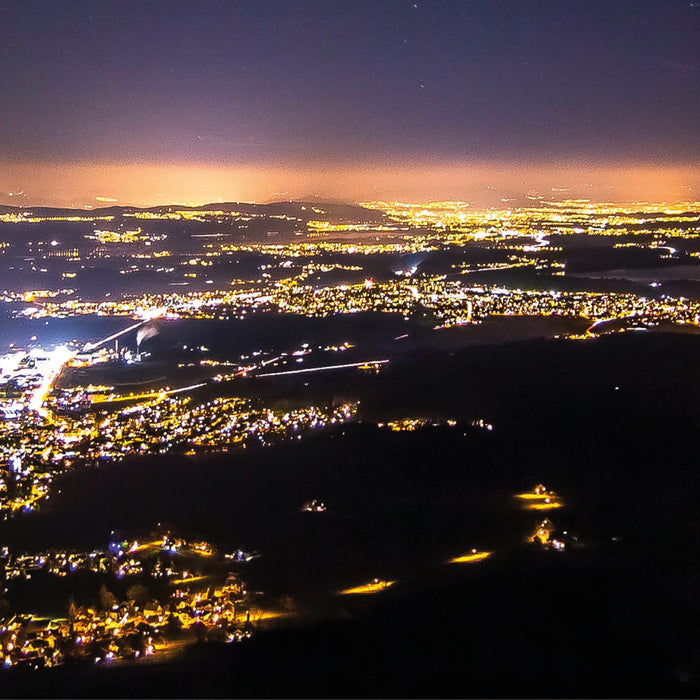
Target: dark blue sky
[[260, 82]]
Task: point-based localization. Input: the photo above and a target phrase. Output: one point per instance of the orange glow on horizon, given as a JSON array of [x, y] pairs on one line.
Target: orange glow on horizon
[[487, 184]]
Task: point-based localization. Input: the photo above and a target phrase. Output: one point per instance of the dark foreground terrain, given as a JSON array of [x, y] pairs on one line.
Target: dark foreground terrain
[[530, 627], [612, 425]]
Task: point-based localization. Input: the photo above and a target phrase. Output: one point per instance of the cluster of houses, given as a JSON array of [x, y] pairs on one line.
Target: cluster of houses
[[127, 630]]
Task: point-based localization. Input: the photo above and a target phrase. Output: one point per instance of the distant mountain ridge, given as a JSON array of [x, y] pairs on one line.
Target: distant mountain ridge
[[307, 211]]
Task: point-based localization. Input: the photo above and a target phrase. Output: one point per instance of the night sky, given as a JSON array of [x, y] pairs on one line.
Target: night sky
[[261, 99]]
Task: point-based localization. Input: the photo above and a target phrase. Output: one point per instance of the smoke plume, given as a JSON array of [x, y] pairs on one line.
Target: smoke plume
[[144, 333]]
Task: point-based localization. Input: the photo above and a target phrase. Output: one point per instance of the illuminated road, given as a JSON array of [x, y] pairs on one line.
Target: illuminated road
[[324, 369], [50, 369], [607, 320], [93, 346], [157, 546], [151, 394]]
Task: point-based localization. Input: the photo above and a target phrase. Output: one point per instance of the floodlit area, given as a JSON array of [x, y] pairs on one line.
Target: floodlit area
[[372, 587], [33, 373], [470, 558], [540, 499]]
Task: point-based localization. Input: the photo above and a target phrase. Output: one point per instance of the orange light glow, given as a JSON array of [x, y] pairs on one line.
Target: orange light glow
[[471, 557], [372, 587], [544, 506], [91, 184]]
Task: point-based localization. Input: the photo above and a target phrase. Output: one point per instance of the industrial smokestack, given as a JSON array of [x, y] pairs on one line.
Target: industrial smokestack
[[144, 333]]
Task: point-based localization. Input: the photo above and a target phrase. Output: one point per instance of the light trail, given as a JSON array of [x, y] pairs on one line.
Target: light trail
[[607, 320], [597, 323], [511, 266], [191, 387], [92, 346], [323, 369], [151, 394]]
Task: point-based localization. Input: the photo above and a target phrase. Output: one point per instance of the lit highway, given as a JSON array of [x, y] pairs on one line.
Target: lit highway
[[324, 369]]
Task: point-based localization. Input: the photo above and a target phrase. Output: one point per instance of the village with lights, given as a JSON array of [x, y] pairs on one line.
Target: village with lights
[[194, 606], [295, 276]]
